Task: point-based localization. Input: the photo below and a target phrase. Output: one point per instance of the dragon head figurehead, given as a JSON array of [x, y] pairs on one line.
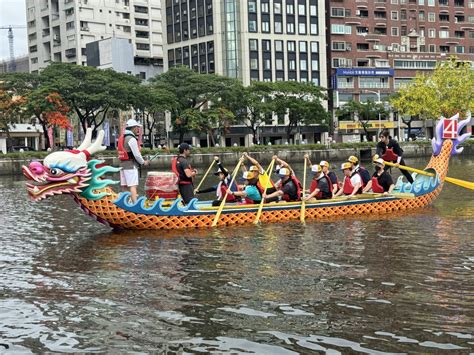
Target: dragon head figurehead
[[63, 172]]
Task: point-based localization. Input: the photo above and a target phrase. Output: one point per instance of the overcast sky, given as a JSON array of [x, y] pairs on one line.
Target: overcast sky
[[13, 12]]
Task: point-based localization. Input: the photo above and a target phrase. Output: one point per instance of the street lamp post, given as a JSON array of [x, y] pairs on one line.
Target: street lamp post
[[379, 102]]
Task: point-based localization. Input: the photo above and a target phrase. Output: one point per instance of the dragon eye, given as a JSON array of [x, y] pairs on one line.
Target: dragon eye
[[56, 171]]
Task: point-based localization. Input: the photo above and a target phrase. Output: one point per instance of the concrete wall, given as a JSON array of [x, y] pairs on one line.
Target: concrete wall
[[202, 161]]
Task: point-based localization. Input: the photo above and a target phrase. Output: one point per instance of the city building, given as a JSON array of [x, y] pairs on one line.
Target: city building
[[59, 30], [21, 136], [378, 46], [265, 40], [18, 65]]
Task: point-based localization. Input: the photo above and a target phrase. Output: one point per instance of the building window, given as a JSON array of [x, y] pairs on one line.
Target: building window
[[421, 2], [431, 33], [265, 7], [337, 12], [314, 29], [279, 64], [338, 46], [421, 15], [395, 15], [277, 8], [341, 29], [278, 27], [431, 17], [395, 31], [431, 2], [70, 25], [314, 47], [253, 44], [265, 26], [266, 47], [254, 63], [267, 64], [302, 28], [313, 10], [291, 46], [314, 64], [443, 34], [459, 49], [278, 46], [292, 64], [290, 9], [301, 9], [290, 28], [252, 26], [302, 46], [403, 15], [252, 6]]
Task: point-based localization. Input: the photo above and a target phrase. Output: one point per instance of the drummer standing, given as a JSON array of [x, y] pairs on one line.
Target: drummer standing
[[185, 172], [130, 158]]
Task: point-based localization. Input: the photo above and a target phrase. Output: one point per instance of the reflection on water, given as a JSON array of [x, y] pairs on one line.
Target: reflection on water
[[400, 283]]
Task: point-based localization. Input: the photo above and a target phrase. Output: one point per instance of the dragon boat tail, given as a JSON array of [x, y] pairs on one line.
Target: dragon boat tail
[[75, 173]]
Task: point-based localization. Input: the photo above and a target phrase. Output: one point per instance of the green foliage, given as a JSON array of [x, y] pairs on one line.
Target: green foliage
[[449, 89], [302, 102]]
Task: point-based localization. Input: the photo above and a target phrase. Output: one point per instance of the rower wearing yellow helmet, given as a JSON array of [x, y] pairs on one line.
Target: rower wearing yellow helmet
[[331, 175], [352, 182], [358, 169], [251, 193], [263, 178]]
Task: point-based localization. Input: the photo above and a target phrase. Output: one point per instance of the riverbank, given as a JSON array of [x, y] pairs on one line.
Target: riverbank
[[203, 157]]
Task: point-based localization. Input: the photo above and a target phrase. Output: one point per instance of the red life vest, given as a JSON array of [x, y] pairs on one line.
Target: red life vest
[[174, 168], [376, 186], [223, 189], [314, 186], [348, 187], [122, 153], [389, 155], [298, 186]]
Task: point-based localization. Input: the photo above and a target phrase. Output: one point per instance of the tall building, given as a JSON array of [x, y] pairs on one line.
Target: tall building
[[17, 65], [58, 30], [265, 40], [377, 46]]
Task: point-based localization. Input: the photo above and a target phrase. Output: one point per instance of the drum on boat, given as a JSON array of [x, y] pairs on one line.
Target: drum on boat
[[161, 185]]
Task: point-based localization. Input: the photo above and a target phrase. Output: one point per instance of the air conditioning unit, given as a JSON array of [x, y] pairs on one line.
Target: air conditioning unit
[[85, 29], [357, 12], [56, 37], [376, 46], [389, 48]]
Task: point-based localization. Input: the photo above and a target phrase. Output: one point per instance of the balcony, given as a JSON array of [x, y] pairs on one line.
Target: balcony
[[368, 85], [345, 85]]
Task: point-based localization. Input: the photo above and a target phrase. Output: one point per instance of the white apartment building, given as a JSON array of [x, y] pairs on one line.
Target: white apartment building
[[264, 40], [58, 30]]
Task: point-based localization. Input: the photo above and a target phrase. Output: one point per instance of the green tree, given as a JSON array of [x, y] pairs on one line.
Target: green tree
[[193, 91], [363, 112], [91, 92], [212, 120], [302, 102], [447, 90]]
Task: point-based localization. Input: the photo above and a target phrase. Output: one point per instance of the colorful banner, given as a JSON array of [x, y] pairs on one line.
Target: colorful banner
[[70, 138], [106, 134], [51, 137]]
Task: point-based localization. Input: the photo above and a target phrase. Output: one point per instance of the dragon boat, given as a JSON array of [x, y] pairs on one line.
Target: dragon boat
[[76, 173]]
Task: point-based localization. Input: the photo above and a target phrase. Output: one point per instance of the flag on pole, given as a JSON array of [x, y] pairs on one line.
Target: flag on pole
[[69, 137], [106, 134]]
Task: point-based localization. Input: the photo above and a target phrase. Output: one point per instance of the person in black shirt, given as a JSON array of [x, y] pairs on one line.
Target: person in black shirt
[[185, 172], [381, 181], [389, 150]]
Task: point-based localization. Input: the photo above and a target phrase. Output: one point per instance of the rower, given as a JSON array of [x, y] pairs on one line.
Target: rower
[[185, 172], [352, 181], [381, 181], [357, 168], [258, 170], [288, 187], [331, 174], [224, 182], [389, 149], [251, 193], [321, 185]]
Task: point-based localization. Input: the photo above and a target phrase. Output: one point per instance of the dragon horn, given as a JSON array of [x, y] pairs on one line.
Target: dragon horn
[[97, 145], [87, 140]]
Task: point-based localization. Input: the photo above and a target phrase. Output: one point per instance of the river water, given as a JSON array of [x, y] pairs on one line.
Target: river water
[[401, 283]]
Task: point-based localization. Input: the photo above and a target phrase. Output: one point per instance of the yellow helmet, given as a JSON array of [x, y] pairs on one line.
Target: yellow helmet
[[254, 168], [249, 175], [316, 169], [324, 163], [353, 159], [345, 166]]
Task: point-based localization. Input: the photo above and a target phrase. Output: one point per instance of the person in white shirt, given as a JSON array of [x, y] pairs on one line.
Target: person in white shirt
[[130, 158], [352, 181]]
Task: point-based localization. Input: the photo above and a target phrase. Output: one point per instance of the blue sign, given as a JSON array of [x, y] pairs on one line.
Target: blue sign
[[364, 72]]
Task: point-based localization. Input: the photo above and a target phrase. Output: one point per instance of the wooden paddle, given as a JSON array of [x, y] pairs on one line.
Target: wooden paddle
[[260, 207], [303, 204], [205, 175], [221, 206], [462, 183]]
